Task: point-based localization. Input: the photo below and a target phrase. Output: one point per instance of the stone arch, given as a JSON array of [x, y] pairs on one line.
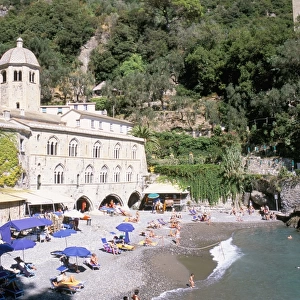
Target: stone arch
[[134, 198], [84, 204], [114, 197]]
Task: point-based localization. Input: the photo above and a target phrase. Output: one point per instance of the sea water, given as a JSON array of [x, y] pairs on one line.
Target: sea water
[[256, 263]]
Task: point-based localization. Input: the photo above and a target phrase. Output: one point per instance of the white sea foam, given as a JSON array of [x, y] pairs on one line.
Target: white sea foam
[[225, 254]]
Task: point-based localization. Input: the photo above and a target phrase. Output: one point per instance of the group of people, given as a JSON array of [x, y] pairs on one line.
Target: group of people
[[266, 213]]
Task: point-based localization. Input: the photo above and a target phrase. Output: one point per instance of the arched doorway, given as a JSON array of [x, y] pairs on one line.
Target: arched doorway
[[116, 199], [133, 199], [83, 204]]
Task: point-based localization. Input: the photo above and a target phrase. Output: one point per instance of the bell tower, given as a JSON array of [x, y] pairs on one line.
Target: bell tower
[[20, 79]]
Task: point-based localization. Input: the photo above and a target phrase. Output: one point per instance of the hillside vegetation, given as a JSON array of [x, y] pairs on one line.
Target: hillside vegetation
[[229, 69]]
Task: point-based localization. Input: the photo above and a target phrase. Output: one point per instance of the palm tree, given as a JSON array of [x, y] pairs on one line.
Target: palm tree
[[151, 141]]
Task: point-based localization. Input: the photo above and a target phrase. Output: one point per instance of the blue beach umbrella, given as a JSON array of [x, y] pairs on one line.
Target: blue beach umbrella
[[77, 252], [125, 227], [64, 233], [22, 244], [4, 248]]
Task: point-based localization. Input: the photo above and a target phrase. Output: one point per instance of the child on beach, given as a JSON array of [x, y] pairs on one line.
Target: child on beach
[[191, 281]]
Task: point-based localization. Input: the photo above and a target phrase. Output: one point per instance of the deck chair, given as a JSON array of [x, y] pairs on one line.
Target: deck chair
[[162, 222], [107, 247], [11, 287], [192, 212]]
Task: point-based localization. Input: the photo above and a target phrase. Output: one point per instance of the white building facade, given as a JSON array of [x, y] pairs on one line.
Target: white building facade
[[73, 150]]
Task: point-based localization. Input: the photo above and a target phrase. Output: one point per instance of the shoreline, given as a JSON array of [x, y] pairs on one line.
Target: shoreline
[[169, 267]]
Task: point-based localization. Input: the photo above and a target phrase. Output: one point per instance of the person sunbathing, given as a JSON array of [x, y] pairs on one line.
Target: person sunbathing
[[136, 219], [64, 281], [94, 259]]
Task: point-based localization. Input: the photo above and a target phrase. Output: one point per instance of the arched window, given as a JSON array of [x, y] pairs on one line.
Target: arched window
[[89, 174], [17, 75], [97, 150], [117, 151], [77, 180], [38, 182], [73, 147], [133, 152], [52, 146], [31, 77], [103, 174], [59, 174], [117, 173], [4, 77], [129, 174]]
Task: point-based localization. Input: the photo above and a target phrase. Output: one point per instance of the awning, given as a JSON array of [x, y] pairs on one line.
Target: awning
[[164, 188], [23, 224], [10, 198], [40, 197]]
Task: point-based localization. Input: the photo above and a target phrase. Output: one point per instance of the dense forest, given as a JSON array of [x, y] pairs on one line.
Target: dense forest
[[235, 62]]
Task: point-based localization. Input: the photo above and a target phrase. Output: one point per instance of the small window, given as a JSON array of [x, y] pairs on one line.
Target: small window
[[85, 107], [92, 124], [100, 125], [4, 77], [59, 110], [22, 146], [75, 106], [111, 127], [44, 109], [78, 123]]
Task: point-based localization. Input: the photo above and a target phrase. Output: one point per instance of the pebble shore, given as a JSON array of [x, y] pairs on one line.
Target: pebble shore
[[151, 269]]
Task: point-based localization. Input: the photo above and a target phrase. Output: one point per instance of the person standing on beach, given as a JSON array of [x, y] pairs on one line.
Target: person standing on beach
[[135, 295], [191, 281]]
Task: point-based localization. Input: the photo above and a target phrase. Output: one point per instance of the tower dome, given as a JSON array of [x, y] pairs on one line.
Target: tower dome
[[19, 56]]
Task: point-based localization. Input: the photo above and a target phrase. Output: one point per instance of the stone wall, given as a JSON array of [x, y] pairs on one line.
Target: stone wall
[[290, 196]]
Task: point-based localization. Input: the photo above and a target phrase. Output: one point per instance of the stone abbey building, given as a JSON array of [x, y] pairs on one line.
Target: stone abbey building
[[70, 154]]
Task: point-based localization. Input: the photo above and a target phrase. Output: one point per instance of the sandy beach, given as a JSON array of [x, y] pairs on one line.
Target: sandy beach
[[151, 269]]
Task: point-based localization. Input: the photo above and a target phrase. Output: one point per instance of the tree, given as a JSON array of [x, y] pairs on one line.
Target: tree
[[232, 170], [151, 142], [10, 169]]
